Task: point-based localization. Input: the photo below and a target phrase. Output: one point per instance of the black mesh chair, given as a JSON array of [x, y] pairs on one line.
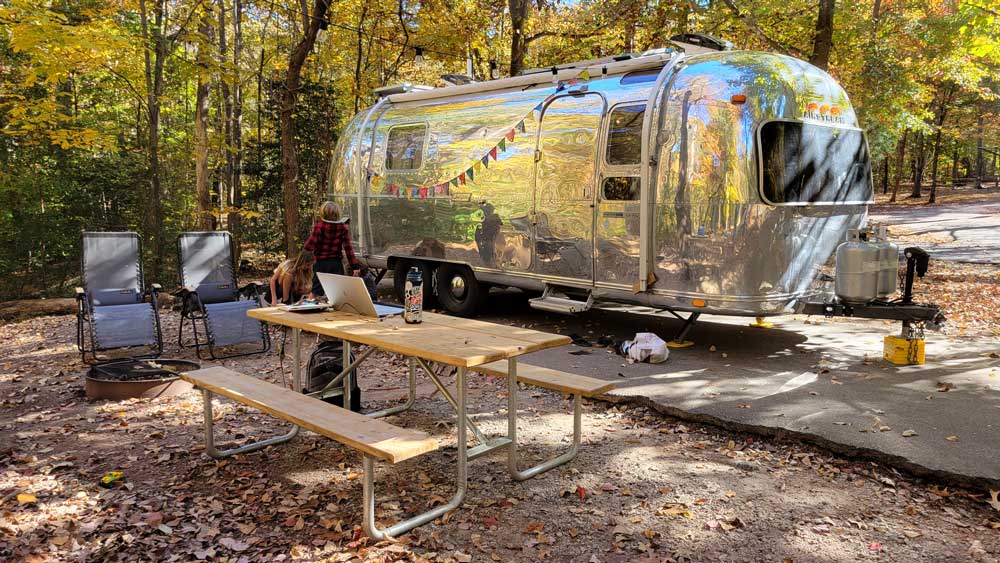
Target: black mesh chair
[[212, 299], [113, 309]]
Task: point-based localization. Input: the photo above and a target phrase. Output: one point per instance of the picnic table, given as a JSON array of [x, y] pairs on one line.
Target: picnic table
[[465, 344]]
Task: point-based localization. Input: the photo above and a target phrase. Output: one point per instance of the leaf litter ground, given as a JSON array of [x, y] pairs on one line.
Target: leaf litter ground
[[644, 487]]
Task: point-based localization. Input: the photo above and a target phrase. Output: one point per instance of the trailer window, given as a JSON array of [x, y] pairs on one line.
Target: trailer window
[[624, 134], [405, 150], [803, 163], [621, 188]]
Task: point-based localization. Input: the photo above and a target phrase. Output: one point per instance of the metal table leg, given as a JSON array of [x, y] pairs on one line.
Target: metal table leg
[[215, 453], [349, 375], [485, 445], [410, 399], [517, 474], [296, 359], [368, 485]]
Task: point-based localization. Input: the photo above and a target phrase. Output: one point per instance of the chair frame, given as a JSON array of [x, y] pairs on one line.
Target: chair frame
[[193, 310], [85, 316]]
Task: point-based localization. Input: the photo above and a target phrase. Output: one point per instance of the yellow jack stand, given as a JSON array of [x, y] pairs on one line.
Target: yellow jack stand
[[679, 344], [903, 351], [761, 323]]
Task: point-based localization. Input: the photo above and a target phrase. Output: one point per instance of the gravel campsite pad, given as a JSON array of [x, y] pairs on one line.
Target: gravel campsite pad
[[644, 487]]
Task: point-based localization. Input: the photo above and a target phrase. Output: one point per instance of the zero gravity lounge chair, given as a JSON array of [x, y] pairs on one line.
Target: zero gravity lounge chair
[[112, 307], [212, 299]]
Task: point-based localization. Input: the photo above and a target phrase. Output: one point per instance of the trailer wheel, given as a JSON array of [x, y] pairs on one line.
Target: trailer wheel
[[459, 292], [399, 272]]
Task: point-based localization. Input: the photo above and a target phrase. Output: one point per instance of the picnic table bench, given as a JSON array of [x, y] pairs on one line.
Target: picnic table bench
[[462, 343]]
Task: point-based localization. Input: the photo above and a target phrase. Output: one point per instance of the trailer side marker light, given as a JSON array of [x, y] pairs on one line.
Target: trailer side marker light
[[698, 302], [835, 111], [824, 109], [738, 99]]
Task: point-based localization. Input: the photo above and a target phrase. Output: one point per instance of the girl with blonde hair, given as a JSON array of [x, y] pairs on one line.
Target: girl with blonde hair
[[292, 279], [331, 241]]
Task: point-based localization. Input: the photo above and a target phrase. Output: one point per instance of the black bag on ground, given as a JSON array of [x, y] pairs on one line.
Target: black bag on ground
[[325, 363]]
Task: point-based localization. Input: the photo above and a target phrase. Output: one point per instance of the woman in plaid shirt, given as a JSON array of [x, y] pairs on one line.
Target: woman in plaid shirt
[[329, 241]]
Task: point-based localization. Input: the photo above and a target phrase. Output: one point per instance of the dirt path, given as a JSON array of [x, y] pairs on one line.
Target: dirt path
[[644, 488]]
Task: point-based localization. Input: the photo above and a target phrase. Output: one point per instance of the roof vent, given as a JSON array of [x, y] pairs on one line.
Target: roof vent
[[456, 79], [399, 89], [696, 43]]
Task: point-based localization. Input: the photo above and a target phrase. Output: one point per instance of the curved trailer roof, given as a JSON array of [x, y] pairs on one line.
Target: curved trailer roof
[[523, 82]]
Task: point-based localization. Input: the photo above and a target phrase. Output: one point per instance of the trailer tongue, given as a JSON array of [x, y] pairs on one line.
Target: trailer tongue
[[907, 347]]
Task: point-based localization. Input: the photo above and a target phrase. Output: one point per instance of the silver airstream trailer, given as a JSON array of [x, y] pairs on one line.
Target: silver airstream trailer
[[716, 182]]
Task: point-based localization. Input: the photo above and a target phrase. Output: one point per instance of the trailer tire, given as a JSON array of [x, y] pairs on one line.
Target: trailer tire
[[399, 272], [459, 292]]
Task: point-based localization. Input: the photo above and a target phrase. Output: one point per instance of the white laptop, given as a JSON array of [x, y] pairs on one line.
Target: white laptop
[[349, 294]]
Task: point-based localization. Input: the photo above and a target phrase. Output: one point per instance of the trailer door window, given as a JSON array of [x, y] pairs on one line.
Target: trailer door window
[[624, 134], [621, 188], [405, 150], [803, 163]]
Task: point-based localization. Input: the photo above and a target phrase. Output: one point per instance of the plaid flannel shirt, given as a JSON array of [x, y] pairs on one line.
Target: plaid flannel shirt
[[331, 240]]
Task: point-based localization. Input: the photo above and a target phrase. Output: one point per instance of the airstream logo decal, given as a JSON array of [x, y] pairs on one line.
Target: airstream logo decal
[[824, 112]]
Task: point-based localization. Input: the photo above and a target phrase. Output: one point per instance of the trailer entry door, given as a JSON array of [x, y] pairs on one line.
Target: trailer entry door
[[565, 187]]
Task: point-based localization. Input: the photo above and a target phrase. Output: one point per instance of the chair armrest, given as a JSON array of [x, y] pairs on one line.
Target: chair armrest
[[155, 287], [80, 293]]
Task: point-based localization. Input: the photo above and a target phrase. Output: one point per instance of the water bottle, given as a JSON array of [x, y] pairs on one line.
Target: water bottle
[[413, 296]]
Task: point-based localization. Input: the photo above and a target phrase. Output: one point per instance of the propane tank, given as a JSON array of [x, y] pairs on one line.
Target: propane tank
[[888, 260], [857, 269]]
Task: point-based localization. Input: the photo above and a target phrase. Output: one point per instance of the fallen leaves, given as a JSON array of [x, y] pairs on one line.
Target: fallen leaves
[[993, 500], [909, 433], [675, 509], [26, 498]]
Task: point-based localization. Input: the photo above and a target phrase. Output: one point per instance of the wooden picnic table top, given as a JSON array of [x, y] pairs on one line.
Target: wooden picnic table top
[[439, 338]]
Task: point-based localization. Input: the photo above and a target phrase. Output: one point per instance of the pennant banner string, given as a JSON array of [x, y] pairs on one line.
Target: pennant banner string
[[469, 175]]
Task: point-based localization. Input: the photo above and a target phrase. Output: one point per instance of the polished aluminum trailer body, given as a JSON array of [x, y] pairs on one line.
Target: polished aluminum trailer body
[[646, 182]]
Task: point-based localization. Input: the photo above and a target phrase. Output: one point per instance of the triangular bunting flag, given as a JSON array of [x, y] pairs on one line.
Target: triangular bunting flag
[[414, 192], [510, 136], [502, 145], [470, 175], [573, 81], [478, 166], [493, 153], [454, 181], [520, 126], [486, 160], [584, 75], [441, 189], [461, 178], [423, 193]]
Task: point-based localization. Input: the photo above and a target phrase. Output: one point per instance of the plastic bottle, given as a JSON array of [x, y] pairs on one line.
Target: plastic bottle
[[413, 297]]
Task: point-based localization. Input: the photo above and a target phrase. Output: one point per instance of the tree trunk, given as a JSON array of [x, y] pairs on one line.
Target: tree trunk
[[358, 57], [518, 16], [226, 76], [203, 65], [979, 146], [823, 40], [885, 175], [954, 165], [289, 158], [153, 65], [918, 167], [900, 160], [934, 165], [235, 219]]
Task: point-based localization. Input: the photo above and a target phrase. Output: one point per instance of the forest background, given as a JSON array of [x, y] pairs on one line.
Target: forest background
[[168, 115]]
